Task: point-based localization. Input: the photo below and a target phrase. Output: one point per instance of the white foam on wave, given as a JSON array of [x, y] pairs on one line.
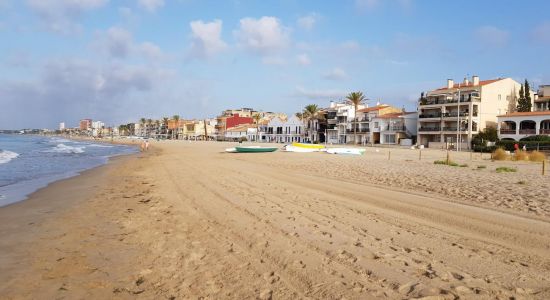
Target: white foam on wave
[[62, 148], [6, 156], [100, 146], [59, 140]]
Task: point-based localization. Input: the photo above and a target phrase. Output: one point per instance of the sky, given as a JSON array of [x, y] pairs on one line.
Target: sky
[[120, 60]]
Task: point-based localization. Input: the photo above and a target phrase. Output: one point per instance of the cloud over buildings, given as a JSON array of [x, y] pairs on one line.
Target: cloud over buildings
[[265, 35], [206, 39]]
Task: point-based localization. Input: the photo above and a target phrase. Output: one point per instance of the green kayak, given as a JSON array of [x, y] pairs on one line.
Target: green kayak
[[254, 149]]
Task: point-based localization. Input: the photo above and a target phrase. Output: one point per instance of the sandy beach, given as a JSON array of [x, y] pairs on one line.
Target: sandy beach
[[187, 221]]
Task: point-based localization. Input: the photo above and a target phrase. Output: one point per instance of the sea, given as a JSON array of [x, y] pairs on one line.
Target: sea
[[28, 163]]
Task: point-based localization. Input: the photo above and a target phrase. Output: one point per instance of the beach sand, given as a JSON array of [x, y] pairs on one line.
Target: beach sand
[[186, 220]]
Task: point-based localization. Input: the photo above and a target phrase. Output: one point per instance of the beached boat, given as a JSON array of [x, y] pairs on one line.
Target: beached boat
[[292, 148], [308, 146], [250, 149], [352, 151]]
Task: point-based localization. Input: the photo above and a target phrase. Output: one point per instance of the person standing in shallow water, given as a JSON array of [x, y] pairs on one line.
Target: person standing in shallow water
[[146, 145]]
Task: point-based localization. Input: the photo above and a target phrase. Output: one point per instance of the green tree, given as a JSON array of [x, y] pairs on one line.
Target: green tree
[[176, 118], [523, 104], [257, 119], [527, 95], [310, 112], [149, 125], [356, 99], [165, 125]]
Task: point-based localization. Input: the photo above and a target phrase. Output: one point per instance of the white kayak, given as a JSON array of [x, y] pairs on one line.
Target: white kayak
[[352, 151], [291, 148]]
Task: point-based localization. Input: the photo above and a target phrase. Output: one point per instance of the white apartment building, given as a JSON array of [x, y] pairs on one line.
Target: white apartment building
[[280, 131], [339, 117], [383, 124], [449, 116], [62, 126]]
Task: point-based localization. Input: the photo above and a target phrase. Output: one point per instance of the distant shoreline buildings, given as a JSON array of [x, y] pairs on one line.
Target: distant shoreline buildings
[[447, 117]]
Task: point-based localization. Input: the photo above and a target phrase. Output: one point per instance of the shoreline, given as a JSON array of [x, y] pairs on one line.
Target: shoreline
[[23, 190]]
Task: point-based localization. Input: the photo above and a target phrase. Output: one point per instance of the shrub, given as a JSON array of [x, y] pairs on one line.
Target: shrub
[[530, 145], [537, 138], [521, 155], [463, 165], [537, 156], [506, 170], [440, 162], [500, 154], [482, 167], [522, 182]]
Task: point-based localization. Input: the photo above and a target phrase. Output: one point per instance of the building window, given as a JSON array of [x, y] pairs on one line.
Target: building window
[[375, 124], [499, 97], [390, 138]]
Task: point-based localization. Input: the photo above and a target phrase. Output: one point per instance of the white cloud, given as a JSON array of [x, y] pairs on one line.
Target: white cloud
[[206, 39], [319, 94], [541, 33], [308, 22], [264, 36], [119, 43], [303, 59], [151, 5], [335, 74], [60, 15], [491, 36]]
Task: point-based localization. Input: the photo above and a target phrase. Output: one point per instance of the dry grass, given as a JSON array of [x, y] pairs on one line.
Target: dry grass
[[500, 154], [537, 156], [521, 155]]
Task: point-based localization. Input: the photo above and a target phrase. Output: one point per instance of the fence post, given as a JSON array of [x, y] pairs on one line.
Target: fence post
[[389, 154], [420, 155], [448, 159], [471, 155], [544, 167]]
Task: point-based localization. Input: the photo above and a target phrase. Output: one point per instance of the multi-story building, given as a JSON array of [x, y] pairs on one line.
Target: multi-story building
[[285, 131], [61, 126], [383, 124], [542, 98], [338, 117], [85, 124], [449, 116]]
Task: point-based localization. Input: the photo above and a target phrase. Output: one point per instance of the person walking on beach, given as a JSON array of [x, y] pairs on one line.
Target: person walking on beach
[[146, 145]]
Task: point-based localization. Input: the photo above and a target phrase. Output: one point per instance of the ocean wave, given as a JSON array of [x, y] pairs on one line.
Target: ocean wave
[[62, 148], [59, 140], [6, 156], [100, 146]]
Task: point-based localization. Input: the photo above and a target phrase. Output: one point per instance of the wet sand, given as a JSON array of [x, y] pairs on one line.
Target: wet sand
[[188, 221]]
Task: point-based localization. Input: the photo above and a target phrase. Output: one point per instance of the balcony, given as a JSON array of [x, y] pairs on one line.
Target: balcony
[[331, 121], [448, 101], [507, 131], [394, 128], [455, 114], [430, 129], [544, 131], [432, 115], [527, 131], [359, 130]]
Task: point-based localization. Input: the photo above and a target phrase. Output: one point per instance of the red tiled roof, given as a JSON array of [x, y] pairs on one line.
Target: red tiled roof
[[527, 113], [471, 84], [374, 108]]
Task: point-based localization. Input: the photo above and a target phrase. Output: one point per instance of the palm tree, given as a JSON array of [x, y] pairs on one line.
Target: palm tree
[[142, 121], [176, 118], [157, 125], [165, 125], [257, 119], [311, 112], [355, 99], [149, 123]]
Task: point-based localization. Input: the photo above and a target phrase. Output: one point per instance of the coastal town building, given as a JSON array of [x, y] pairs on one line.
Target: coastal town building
[[85, 124], [62, 126], [449, 116], [518, 125], [542, 98], [242, 132], [338, 122], [285, 131]]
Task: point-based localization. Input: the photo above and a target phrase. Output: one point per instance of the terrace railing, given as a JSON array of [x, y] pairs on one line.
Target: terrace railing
[[507, 131], [429, 129]]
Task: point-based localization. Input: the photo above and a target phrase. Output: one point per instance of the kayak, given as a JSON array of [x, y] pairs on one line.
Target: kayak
[[251, 149], [292, 148], [352, 151], [308, 146]]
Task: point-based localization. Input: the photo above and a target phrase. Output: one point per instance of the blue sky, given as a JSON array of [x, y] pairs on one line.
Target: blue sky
[[117, 61]]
